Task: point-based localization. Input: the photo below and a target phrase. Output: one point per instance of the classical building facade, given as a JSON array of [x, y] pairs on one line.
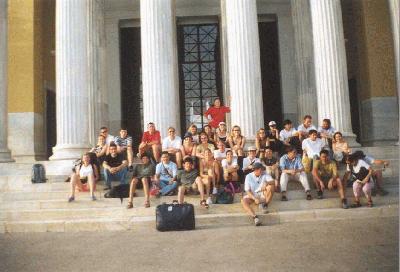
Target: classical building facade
[[68, 67]]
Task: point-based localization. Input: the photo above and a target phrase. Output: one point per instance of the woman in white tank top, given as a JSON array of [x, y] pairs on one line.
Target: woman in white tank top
[[84, 174]]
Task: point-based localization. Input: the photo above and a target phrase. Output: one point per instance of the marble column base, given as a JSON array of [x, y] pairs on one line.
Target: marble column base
[[5, 156], [68, 152], [351, 140]]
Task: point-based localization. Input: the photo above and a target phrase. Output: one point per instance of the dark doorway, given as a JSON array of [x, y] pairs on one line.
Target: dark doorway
[[270, 71], [51, 122], [131, 82], [199, 71]]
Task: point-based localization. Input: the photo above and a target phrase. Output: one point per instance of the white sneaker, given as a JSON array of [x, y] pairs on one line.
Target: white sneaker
[[215, 191], [257, 221], [209, 201]]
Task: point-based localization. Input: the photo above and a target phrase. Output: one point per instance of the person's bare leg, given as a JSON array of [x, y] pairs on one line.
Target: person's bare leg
[[132, 189], [91, 184], [340, 188], [130, 155], [181, 194], [156, 151], [74, 178], [207, 183], [179, 159], [246, 203], [379, 179], [211, 177], [145, 182], [142, 148], [269, 192], [200, 187]]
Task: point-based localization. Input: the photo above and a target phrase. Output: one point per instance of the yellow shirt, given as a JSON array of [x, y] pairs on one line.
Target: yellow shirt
[[325, 170]]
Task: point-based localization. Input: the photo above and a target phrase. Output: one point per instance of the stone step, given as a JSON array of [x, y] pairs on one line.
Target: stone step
[[12, 196], [118, 210], [202, 220]]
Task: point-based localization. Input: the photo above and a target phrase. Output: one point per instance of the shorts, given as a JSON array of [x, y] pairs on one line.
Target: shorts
[[189, 186], [260, 196]]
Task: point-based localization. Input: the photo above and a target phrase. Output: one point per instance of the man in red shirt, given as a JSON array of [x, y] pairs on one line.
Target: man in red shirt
[[151, 139], [217, 113]]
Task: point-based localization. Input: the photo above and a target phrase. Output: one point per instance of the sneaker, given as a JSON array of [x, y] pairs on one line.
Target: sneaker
[[257, 221], [94, 198], [344, 204], [215, 191], [263, 207], [130, 168], [71, 199], [309, 197], [138, 155], [209, 201], [320, 195], [284, 198]]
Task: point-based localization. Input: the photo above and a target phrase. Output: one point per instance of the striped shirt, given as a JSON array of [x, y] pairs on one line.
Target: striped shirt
[[124, 142]]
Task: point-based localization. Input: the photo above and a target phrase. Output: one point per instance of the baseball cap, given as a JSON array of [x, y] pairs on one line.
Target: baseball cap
[[258, 165], [272, 123]]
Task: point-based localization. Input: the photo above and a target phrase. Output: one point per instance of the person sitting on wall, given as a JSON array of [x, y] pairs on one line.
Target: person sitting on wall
[[217, 113], [124, 145], [172, 144], [325, 175], [326, 131], [204, 144], [230, 167], [305, 128], [311, 147], [189, 179], [261, 143], [271, 166], [151, 140], [340, 148], [165, 177], [114, 166], [85, 174], [293, 169], [250, 160], [259, 188], [289, 136], [237, 141], [143, 173]]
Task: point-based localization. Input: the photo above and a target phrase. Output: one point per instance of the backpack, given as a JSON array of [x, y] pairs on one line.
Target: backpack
[[38, 173], [224, 196]]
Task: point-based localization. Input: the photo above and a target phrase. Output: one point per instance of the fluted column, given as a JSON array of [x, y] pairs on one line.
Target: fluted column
[[5, 154], [244, 65], [71, 79], [95, 18], [307, 98], [159, 64], [394, 14], [330, 66]]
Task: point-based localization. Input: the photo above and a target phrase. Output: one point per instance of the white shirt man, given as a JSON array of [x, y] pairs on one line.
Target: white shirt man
[[313, 145]]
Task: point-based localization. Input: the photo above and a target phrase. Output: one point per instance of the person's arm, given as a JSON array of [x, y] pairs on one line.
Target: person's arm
[[102, 152], [122, 165], [194, 150], [208, 112], [316, 176], [199, 154], [106, 166], [366, 179], [243, 142], [202, 170], [230, 142]]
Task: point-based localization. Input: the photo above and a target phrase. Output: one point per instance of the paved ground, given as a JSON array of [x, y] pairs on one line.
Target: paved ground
[[341, 245]]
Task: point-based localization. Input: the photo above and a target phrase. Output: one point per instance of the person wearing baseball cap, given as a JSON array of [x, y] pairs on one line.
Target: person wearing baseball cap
[[259, 188], [273, 138], [250, 160]]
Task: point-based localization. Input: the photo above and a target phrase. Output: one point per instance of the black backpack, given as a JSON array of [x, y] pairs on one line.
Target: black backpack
[[38, 173]]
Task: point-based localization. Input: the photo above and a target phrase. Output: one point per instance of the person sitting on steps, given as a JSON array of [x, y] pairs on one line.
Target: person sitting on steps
[[165, 177], [114, 167]]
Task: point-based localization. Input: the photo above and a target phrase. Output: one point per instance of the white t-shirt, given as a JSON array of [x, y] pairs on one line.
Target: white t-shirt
[[357, 167], [175, 143], [254, 184], [220, 155], [247, 162], [285, 134], [312, 147], [303, 129], [110, 139], [330, 131], [85, 170], [225, 164]]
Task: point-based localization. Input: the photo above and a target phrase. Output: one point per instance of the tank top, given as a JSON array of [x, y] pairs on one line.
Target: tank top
[[85, 171]]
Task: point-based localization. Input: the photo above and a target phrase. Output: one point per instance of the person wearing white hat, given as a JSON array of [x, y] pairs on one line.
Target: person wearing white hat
[[250, 160]]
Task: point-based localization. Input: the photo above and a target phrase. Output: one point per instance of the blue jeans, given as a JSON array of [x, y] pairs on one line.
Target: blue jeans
[[166, 188], [117, 176]]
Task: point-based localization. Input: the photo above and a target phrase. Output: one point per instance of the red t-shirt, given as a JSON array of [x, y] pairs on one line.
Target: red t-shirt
[[147, 137], [217, 115]]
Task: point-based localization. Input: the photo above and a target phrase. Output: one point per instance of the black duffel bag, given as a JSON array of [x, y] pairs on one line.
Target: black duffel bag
[[175, 217]]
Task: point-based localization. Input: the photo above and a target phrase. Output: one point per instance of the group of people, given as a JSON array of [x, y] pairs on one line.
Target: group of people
[[206, 161]]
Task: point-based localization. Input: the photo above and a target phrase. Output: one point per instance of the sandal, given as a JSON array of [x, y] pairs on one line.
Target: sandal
[[130, 205], [356, 204], [147, 204], [370, 204], [204, 204]]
